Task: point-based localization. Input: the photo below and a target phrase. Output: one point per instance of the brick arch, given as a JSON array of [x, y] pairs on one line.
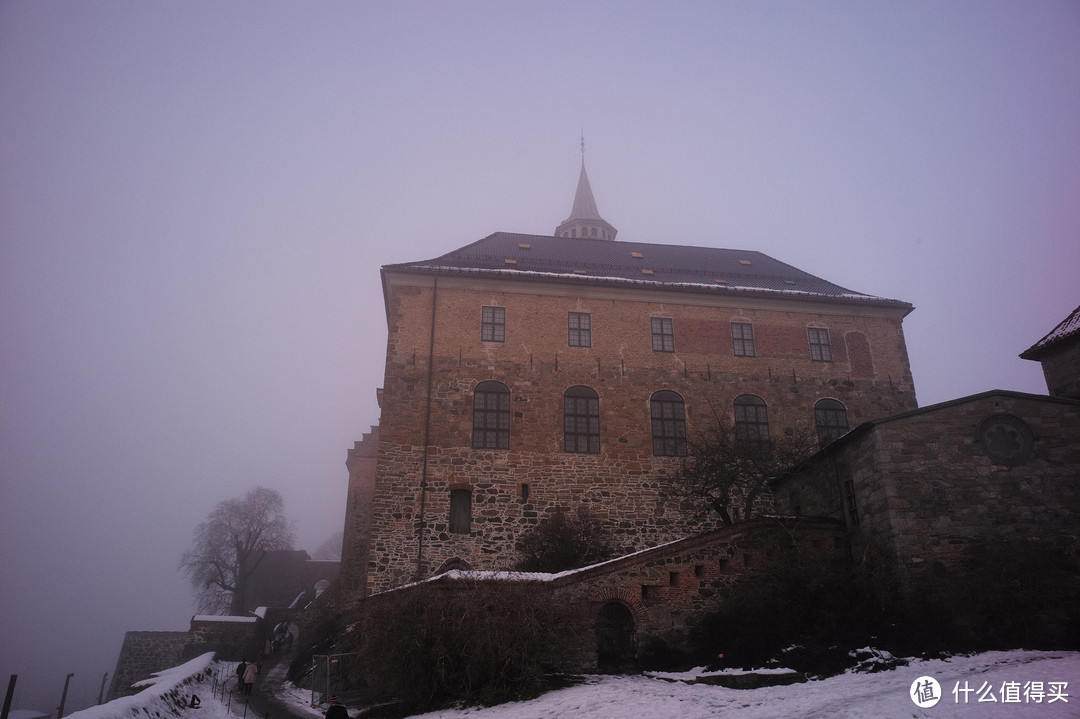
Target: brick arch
[[629, 597], [453, 563]]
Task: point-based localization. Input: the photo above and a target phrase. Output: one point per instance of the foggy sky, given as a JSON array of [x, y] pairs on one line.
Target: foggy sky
[[195, 199]]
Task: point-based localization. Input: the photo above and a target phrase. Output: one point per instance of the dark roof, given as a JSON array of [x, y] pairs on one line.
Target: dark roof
[[1068, 328], [677, 267]]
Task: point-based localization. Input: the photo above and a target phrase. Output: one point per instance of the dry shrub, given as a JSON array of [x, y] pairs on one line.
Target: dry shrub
[[466, 641]]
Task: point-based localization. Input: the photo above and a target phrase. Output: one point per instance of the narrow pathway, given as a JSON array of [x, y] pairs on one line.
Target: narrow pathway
[[263, 702]]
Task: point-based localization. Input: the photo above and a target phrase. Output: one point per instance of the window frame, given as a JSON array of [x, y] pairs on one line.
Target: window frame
[[581, 427], [826, 411], [576, 335], [820, 344], [751, 428], [741, 345], [668, 432], [492, 323], [491, 422], [663, 334]]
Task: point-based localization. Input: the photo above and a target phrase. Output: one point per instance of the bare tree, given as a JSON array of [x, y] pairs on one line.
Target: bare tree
[[726, 469], [228, 546], [330, 547]]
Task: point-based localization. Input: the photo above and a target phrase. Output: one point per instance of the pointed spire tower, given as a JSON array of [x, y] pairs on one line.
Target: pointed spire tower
[[585, 219]]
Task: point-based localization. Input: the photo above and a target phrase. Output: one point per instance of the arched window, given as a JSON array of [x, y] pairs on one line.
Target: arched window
[[491, 416], [830, 418], [751, 418], [668, 424], [581, 420]]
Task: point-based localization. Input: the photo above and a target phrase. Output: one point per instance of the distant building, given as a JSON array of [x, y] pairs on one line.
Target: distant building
[[287, 578], [1059, 354]]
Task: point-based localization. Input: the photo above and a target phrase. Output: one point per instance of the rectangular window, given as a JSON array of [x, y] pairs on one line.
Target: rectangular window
[[579, 329], [493, 324], [663, 335], [460, 511], [491, 416], [820, 351], [668, 424], [581, 421], [742, 338]]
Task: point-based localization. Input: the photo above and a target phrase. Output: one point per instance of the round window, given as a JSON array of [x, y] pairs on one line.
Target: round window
[[1007, 439]]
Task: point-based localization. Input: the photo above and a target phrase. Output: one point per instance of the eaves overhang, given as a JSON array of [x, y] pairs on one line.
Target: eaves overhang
[[571, 279]]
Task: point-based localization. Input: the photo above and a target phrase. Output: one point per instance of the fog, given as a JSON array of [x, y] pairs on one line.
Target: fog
[[195, 199]]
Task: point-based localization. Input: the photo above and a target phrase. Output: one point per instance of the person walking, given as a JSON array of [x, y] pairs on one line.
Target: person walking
[[250, 673]]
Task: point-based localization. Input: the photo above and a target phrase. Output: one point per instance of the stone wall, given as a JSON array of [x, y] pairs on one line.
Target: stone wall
[[666, 591], [1061, 368], [923, 488], [230, 638], [356, 539], [142, 654], [421, 459]]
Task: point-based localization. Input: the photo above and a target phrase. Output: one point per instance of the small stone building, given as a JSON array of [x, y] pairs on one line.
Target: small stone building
[[1059, 354], [933, 494]]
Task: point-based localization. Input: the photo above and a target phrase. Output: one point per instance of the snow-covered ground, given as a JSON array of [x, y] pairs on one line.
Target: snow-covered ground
[[1015, 684], [855, 696]]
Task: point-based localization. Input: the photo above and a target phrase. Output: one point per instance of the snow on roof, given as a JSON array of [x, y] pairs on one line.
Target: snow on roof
[[1066, 328], [222, 618], [674, 267]]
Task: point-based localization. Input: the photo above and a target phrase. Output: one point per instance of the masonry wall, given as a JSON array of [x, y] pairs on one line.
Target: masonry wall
[[356, 540], [1061, 368], [928, 487], [671, 590], [231, 638], [622, 485], [667, 590], [142, 654]]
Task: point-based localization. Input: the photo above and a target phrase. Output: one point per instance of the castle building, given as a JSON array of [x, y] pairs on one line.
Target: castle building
[[531, 374]]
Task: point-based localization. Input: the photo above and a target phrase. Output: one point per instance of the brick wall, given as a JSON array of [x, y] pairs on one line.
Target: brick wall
[[622, 484]]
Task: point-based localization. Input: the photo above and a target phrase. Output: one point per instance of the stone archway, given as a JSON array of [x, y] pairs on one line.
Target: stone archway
[[616, 644]]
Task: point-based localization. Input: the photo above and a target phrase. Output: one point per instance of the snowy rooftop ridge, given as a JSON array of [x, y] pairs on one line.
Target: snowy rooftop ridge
[[636, 264], [222, 618], [1067, 328]]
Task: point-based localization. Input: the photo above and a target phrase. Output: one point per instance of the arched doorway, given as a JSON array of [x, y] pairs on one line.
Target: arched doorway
[[615, 644]]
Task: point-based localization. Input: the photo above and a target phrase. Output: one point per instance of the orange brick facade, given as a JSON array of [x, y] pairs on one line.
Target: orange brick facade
[[424, 439]]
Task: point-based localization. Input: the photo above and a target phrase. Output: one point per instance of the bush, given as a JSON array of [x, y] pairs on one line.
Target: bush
[[469, 641], [559, 543]]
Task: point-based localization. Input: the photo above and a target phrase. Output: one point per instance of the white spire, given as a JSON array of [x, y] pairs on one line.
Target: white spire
[[584, 219]]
